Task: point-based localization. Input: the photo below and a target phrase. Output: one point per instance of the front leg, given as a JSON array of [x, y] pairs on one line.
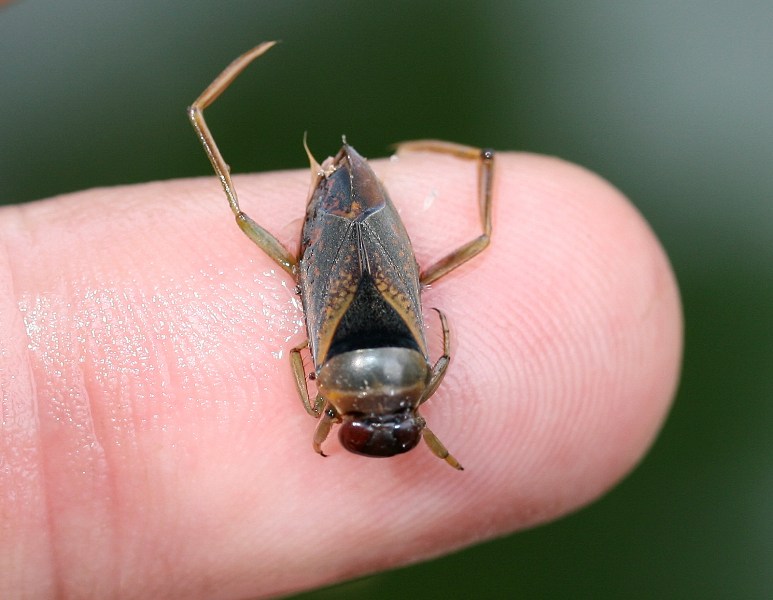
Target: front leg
[[438, 449], [439, 370], [329, 417], [299, 374]]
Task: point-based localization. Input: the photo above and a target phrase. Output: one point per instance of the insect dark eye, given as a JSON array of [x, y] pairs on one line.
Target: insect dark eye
[[380, 435]]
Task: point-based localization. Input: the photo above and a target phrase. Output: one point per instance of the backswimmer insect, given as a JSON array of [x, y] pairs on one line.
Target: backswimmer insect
[[360, 287]]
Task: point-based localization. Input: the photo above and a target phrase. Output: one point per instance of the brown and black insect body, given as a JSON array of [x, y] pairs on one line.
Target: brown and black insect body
[[360, 286]]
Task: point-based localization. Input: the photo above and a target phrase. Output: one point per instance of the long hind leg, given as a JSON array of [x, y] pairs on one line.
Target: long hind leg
[[265, 240], [485, 160]]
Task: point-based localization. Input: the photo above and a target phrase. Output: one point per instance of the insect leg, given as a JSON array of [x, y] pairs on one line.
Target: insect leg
[[485, 160], [266, 241], [438, 449], [329, 417], [299, 374], [439, 370]]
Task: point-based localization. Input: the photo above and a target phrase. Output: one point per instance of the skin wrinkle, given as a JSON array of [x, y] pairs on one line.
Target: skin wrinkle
[[123, 348], [218, 491], [97, 308], [67, 432], [125, 345], [29, 484]]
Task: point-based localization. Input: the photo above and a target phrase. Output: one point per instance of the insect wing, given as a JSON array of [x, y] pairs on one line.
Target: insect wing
[[353, 236]]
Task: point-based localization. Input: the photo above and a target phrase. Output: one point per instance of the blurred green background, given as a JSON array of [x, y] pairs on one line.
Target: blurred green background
[[671, 101]]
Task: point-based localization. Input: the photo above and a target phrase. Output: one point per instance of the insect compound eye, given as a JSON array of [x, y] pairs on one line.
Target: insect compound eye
[[380, 435]]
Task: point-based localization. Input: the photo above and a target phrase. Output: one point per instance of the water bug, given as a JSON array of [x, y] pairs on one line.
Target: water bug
[[360, 286]]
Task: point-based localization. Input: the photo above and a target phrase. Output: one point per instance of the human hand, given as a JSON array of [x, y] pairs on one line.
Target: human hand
[[153, 444]]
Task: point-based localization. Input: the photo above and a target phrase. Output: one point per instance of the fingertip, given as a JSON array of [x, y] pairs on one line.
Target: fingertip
[[567, 331], [569, 343]]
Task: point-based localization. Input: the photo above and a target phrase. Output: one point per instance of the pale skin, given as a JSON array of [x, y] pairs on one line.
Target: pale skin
[[152, 441]]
